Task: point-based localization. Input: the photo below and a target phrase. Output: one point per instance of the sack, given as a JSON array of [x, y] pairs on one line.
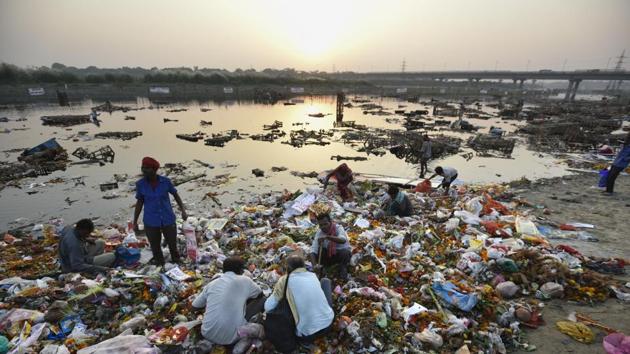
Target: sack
[[126, 257], [603, 178], [423, 187], [280, 325]]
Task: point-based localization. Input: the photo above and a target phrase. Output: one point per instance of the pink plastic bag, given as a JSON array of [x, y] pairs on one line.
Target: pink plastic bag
[[617, 343], [191, 242]]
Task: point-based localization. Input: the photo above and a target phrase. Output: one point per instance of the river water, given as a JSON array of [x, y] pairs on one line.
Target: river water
[[237, 158]]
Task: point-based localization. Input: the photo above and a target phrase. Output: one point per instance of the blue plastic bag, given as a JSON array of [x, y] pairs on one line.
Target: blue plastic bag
[[448, 292], [127, 257], [603, 178], [66, 325]]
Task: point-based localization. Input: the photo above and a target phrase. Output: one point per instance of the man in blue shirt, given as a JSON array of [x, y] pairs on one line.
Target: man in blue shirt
[[621, 163], [80, 254], [152, 193]]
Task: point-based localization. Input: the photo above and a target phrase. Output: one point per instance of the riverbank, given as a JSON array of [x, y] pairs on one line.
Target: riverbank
[[574, 198], [19, 94]]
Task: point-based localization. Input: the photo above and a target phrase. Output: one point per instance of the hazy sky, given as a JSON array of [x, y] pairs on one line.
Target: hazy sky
[[360, 35]]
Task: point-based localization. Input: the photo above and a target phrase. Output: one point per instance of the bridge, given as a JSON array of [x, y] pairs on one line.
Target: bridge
[[574, 77]]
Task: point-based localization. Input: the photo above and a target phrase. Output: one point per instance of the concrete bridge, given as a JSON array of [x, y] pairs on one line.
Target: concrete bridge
[[574, 77]]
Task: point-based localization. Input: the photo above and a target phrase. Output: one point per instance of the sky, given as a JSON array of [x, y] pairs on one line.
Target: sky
[[325, 35]]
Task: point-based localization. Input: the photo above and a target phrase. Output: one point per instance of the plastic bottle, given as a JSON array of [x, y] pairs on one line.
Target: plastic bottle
[[131, 235], [191, 241]]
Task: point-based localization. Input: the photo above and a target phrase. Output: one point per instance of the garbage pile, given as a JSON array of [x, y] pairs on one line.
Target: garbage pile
[[219, 140], [118, 135], [40, 160], [404, 144], [483, 143], [66, 120], [573, 127], [102, 155], [300, 138], [467, 272]]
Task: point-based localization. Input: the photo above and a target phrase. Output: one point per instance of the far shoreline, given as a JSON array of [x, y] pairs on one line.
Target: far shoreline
[[18, 94]]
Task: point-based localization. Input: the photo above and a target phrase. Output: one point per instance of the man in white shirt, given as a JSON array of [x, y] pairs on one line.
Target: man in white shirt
[[225, 300], [310, 300], [448, 174]]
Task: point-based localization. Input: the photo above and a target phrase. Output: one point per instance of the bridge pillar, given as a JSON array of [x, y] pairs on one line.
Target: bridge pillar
[[575, 88], [569, 89], [521, 83]]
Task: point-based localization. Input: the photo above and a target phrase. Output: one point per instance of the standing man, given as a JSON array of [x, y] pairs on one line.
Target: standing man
[[425, 155], [152, 193], [94, 116], [621, 163], [79, 253], [448, 174]]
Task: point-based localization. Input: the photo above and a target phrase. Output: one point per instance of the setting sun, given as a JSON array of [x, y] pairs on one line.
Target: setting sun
[[313, 30]]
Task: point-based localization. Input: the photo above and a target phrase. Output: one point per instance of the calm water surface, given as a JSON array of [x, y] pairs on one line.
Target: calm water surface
[[237, 158]]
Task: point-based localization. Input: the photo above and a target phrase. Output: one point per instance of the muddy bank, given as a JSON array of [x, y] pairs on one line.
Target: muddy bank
[[574, 198]]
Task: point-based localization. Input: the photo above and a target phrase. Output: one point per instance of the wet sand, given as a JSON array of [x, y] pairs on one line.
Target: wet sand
[[571, 198]]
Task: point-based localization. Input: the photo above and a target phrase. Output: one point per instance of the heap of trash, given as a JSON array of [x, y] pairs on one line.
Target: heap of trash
[[40, 160], [470, 271]]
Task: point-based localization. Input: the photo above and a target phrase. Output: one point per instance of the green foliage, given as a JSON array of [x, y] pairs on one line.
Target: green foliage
[[62, 74]]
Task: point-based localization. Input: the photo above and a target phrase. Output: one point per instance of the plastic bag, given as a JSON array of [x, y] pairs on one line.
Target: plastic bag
[[603, 178], [423, 187], [52, 349], [431, 337], [449, 293], [467, 217], [396, 242], [474, 206], [492, 204], [191, 241], [550, 290], [507, 265], [129, 344], [507, 289], [617, 343], [451, 224], [160, 302], [127, 257], [134, 323], [28, 336], [526, 227], [413, 310]]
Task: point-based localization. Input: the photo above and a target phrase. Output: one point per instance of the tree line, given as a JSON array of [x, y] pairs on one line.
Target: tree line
[[61, 74]]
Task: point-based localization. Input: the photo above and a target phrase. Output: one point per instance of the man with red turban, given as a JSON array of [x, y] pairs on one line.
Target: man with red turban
[[152, 193]]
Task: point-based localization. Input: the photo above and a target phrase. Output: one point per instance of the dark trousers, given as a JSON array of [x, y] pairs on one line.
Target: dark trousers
[[326, 285], [341, 257], [424, 166], [612, 176], [447, 185], [154, 234], [254, 306]]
